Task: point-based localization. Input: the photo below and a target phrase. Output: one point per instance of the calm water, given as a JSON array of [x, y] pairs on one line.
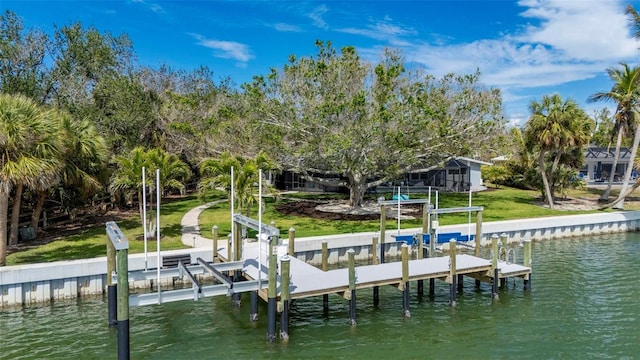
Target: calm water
[[584, 304]]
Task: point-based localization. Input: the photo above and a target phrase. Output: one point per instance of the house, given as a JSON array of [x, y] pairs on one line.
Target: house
[[458, 175], [599, 162]]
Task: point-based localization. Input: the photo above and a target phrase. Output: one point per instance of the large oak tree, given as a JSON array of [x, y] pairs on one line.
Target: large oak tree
[[368, 123]]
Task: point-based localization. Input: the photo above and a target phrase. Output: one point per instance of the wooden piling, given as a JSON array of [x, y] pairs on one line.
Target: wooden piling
[[214, 235], [374, 251], [404, 286], [527, 262], [383, 228], [292, 238], [112, 295], [504, 252], [478, 232], [285, 265], [237, 242], [352, 286], [253, 313], [494, 266], [271, 296], [325, 267], [432, 247], [123, 303], [376, 296], [452, 271], [325, 256], [503, 242]]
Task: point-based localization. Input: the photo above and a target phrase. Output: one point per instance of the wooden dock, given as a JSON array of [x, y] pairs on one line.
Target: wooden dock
[[307, 280]]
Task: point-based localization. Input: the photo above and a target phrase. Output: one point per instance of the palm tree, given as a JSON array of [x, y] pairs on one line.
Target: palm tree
[[624, 192], [83, 157], [555, 126], [624, 92], [217, 173], [25, 137], [127, 179]]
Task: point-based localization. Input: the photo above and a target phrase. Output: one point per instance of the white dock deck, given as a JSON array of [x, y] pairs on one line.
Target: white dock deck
[[307, 280]]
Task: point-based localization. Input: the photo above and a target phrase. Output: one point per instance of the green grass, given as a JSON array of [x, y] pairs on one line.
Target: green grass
[[91, 242], [499, 204]]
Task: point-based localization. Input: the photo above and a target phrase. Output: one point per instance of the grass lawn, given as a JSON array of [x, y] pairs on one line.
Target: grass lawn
[[91, 242], [499, 204]]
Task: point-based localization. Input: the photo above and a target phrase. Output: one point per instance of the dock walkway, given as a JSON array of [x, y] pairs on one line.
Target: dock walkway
[[307, 280]]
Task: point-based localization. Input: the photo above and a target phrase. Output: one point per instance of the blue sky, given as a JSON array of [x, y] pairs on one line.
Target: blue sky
[[526, 48]]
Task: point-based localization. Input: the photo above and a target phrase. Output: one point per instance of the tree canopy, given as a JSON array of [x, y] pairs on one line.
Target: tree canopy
[[337, 114]]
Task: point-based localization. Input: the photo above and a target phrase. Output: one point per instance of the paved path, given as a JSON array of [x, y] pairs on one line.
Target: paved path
[[191, 226]]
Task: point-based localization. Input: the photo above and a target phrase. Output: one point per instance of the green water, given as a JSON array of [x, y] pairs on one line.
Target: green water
[[584, 304]]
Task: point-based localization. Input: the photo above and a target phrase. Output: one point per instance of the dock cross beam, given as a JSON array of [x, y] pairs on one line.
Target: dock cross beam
[[254, 224]]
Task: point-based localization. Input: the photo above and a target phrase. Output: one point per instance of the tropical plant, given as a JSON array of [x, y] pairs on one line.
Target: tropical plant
[[126, 180], [216, 173], [27, 141], [83, 156], [555, 128], [625, 92]]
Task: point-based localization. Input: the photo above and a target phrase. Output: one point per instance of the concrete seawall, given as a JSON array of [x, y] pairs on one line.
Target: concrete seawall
[[46, 282]]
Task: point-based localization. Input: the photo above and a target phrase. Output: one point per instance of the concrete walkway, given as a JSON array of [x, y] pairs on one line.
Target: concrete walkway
[[191, 227]]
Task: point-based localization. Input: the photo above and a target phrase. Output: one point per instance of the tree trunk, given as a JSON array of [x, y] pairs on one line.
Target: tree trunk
[[37, 210], [619, 202], [554, 168], [545, 181], [4, 213], [356, 191], [15, 215], [616, 158]]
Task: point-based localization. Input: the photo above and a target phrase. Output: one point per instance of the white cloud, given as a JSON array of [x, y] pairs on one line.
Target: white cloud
[[575, 40], [286, 27], [584, 30], [156, 8], [226, 49], [383, 30], [317, 16]]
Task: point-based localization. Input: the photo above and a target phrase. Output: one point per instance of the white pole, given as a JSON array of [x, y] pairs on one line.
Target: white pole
[[260, 229], [144, 215], [429, 221], [399, 210], [158, 230], [229, 251], [469, 231]]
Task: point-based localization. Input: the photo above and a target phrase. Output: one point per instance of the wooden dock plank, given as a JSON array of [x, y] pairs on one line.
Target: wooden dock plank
[[307, 280]]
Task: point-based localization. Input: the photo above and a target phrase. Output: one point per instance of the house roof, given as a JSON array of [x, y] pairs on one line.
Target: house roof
[[606, 153], [501, 158], [470, 160]]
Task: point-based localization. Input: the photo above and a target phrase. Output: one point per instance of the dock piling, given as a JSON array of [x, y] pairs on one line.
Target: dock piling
[[374, 251], [285, 265], [352, 286], [120, 253], [494, 266], [452, 271], [214, 235], [383, 227], [271, 297], [325, 267], [112, 296], [405, 280], [527, 262], [292, 238], [253, 314]]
